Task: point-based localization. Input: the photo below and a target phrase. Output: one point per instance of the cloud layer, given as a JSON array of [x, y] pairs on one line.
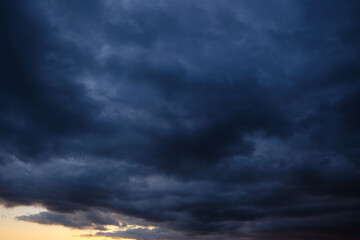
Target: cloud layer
[[183, 120]]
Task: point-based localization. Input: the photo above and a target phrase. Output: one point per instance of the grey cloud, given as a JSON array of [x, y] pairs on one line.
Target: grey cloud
[[80, 220]]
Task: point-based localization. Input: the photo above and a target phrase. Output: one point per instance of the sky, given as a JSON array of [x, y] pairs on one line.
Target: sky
[[10, 228], [179, 120]]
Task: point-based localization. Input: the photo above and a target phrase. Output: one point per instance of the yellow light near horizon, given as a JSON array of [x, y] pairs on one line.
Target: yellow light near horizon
[[12, 229]]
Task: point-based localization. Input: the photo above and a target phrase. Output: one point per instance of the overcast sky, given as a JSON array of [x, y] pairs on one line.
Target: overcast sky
[[190, 120]]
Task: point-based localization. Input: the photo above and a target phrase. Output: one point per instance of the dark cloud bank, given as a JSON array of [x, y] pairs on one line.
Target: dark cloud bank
[[206, 119]]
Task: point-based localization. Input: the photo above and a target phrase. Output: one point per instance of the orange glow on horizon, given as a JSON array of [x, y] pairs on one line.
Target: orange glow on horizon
[[13, 229]]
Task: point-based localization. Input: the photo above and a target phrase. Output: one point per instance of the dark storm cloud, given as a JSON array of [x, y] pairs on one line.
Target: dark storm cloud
[[206, 120], [39, 103]]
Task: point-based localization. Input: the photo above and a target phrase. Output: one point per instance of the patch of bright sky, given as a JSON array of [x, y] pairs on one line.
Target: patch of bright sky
[[13, 229]]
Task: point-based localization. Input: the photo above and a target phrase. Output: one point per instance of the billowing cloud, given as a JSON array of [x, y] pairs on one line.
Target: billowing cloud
[[189, 120]]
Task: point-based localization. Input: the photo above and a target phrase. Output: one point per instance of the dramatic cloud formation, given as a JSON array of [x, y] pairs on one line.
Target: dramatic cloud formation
[[183, 119]]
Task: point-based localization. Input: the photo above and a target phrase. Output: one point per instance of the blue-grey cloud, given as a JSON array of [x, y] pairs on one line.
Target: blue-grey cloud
[[206, 119]]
